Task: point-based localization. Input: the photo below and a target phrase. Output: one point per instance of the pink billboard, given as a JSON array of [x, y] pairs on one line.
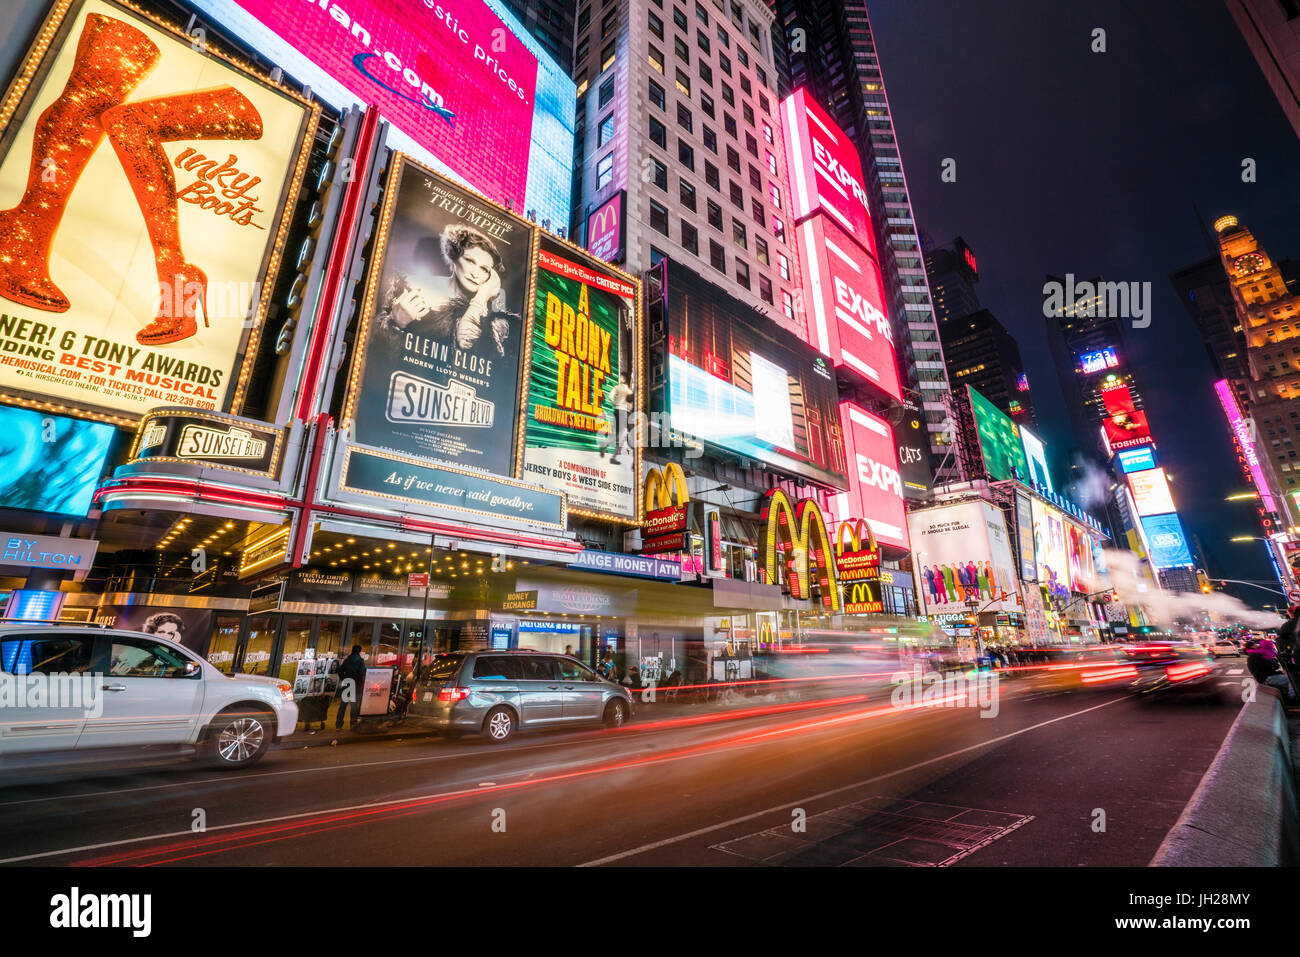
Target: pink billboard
[[448, 73], [605, 229], [875, 486], [825, 171], [1241, 429], [845, 301]]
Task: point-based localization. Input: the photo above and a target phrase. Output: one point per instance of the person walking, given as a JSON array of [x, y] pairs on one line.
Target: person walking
[[354, 668]]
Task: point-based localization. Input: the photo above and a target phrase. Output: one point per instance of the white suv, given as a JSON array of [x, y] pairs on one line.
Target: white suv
[[69, 688]]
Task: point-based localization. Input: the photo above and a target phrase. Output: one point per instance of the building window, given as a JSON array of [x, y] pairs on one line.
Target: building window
[[679, 18], [711, 141], [751, 145], [729, 124], [690, 238], [660, 174], [760, 249], [658, 134], [683, 83], [684, 119], [656, 94], [742, 273], [702, 41], [656, 25], [765, 290], [606, 132], [774, 193], [737, 195], [758, 212], [606, 92], [685, 154], [580, 54], [787, 304], [763, 101], [715, 215], [656, 256], [783, 266], [767, 134], [656, 59], [717, 257], [584, 18], [604, 171], [743, 57], [733, 160], [609, 22], [724, 63], [755, 178], [683, 51], [701, 14], [706, 73], [738, 234], [778, 228], [728, 97], [706, 104], [771, 163], [711, 175], [658, 217], [723, 38], [607, 55], [686, 193]]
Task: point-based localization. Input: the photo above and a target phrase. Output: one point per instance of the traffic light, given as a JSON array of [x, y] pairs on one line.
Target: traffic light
[[1204, 581]]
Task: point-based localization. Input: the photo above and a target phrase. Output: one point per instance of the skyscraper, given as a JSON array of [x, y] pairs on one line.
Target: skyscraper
[[1272, 31], [952, 271], [551, 22], [981, 353], [830, 52], [1206, 294]]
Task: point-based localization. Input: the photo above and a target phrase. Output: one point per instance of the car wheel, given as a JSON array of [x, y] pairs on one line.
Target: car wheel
[[616, 713], [237, 738], [499, 725]]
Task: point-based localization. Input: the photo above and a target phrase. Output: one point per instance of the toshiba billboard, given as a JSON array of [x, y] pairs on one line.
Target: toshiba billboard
[[845, 304], [825, 171], [875, 486]]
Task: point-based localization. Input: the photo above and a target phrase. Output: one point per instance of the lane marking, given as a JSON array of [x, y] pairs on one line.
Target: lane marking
[[699, 832]]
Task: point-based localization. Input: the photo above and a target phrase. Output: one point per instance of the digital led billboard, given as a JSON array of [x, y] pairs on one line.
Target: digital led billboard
[[144, 189], [847, 318], [737, 380], [825, 169], [1137, 460], [465, 86], [1169, 548], [999, 437], [875, 486], [607, 229], [583, 382], [1036, 457], [1091, 362], [1151, 492], [50, 463], [1051, 558]]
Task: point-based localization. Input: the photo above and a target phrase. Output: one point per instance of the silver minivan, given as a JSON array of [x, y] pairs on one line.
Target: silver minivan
[[499, 692]]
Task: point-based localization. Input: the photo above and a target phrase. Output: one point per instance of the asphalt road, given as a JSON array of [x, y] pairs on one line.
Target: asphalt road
[[1055, 778]]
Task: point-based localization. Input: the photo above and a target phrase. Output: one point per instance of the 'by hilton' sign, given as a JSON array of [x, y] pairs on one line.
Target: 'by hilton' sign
[[45, 551]]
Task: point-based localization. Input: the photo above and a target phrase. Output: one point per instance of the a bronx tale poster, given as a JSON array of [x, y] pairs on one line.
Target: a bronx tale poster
[[583, 383], [436, 374]]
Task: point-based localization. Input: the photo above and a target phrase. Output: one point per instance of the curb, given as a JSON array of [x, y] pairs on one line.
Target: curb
[[1243, 813]]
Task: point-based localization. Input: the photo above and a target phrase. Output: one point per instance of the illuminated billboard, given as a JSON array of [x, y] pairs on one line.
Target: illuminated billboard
[[1078, 547], [875, 485], [1036, 457], [435, 371], [963, 553], [583, 382], [50, 463], [737, 380], [1168, 543], [1125, 430], [999, 437], [825, 170], [1051, 557], [465, 86], [1242, 430], [145, 185], [607, 228], [847, 318], [1151, 492], [1091, 362], [1137, 460]]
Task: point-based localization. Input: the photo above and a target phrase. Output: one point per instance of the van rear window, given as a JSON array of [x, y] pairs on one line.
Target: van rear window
[[443, 667]]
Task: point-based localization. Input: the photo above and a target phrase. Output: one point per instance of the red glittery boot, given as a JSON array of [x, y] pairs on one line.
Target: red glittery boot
[[137, 132], [112, 58]]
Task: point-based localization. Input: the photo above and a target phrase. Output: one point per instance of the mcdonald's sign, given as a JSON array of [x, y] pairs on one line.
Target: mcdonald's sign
[[858, 559], [605, 229], [862, 598], [666, 502], [797, 536]]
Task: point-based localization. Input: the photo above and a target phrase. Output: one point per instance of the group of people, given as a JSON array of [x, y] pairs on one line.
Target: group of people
[[951, 584]]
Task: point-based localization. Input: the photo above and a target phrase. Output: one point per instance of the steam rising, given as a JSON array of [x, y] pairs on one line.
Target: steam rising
[[1165, 607]]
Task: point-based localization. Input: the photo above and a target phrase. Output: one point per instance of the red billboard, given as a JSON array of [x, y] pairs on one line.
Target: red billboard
[[825, 171], [451, 76], [845, 303], [875, 488]]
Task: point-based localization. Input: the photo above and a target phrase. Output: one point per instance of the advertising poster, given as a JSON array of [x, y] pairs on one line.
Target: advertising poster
[[141, 191], [1083, 574], [1025, 538], [737, 380], [461, 79], [914, 450], [1169, 547], [1004, 455], [606, 229], [50, 463], [1036, 457], [1137, 460], [583, 388], [1151, 492], [963, 554], [1050, 551], [875, 486], [190, 627], [436, 367]]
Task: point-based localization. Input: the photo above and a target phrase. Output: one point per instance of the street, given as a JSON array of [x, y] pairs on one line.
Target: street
[[1060, 778]]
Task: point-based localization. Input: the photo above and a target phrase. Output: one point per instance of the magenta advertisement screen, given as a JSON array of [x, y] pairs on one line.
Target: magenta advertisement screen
[[449, 74]]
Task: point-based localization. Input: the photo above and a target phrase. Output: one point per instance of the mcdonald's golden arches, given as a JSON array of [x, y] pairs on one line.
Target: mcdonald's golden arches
[[801, 531]]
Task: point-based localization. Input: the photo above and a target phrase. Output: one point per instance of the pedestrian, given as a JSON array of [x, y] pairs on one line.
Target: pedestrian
[[354, 668], [634, 678], [568, 650]]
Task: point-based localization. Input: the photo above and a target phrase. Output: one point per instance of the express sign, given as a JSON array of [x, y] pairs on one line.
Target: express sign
[[875, 486], [825, 170], [846, 316]]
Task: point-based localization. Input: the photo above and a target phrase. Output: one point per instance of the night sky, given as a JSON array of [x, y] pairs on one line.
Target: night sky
[[1095, 163]]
